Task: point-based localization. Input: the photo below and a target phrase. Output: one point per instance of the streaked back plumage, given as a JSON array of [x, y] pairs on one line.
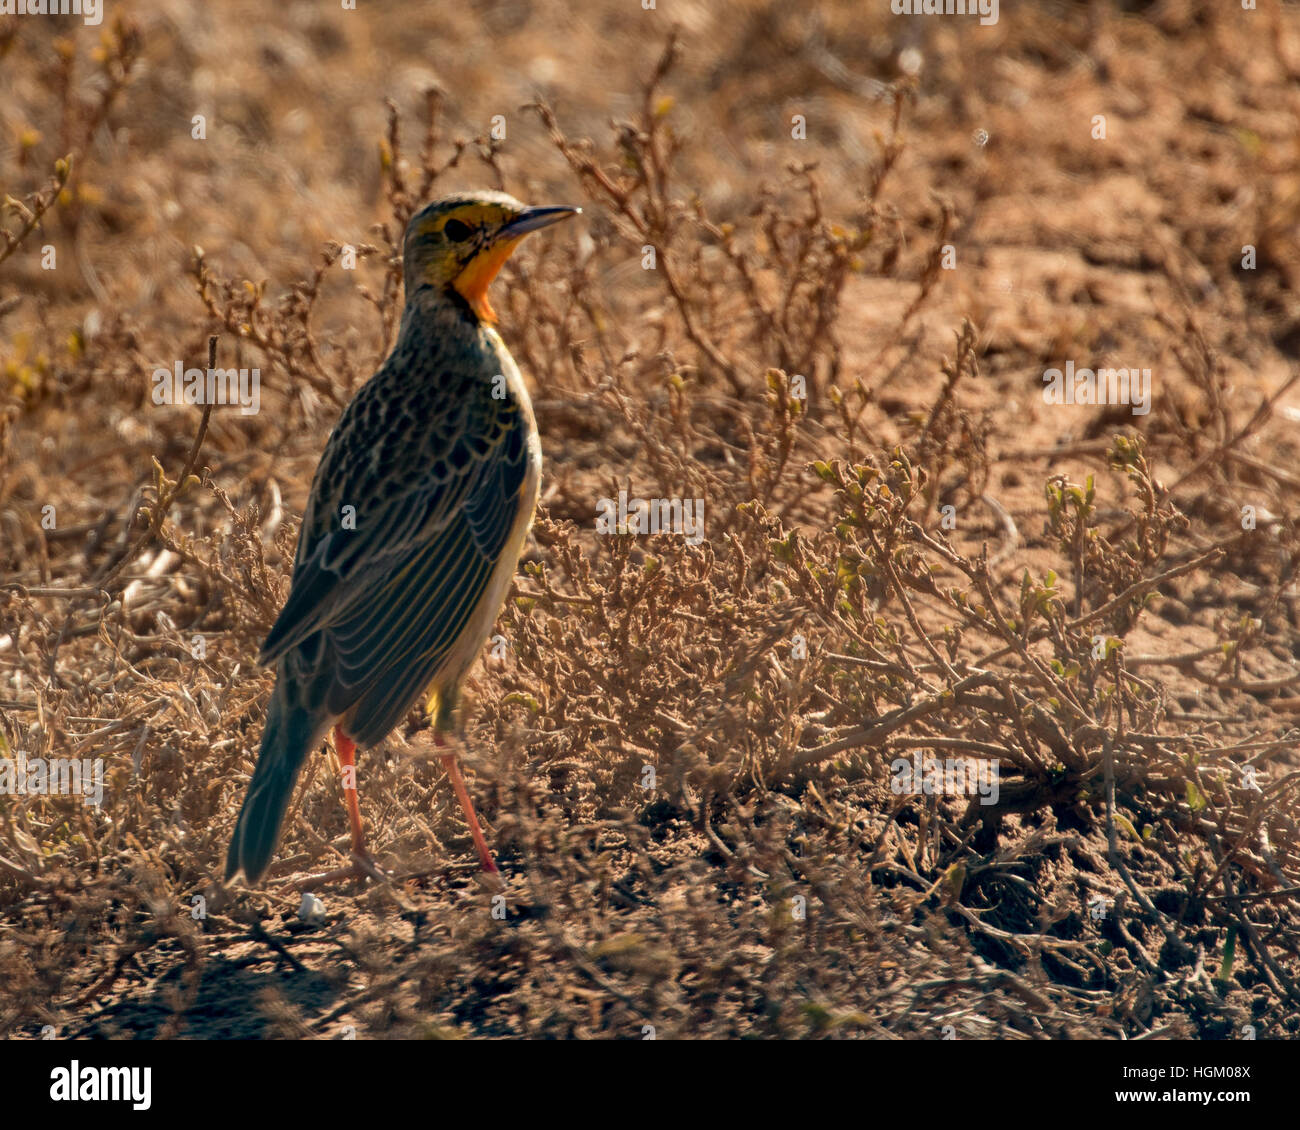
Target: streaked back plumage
[[418, 511]]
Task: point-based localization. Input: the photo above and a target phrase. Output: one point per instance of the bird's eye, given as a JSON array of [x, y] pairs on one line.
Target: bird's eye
[[457, 231]]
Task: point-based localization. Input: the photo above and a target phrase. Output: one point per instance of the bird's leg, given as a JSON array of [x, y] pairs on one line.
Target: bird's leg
[[452, 766], [347, 751], [362, 864]]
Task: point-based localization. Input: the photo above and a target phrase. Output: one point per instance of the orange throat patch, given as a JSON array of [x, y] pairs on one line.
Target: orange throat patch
[[472, 283]]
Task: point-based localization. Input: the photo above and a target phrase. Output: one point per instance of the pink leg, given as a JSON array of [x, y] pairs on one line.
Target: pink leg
[[452, 766], [362, 865], [347, 751]]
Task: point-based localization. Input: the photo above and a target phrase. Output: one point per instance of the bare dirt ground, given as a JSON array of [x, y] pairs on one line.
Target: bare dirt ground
[[871, 236]]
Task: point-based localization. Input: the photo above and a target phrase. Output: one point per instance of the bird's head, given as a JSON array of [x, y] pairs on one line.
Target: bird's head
[[459, 243]]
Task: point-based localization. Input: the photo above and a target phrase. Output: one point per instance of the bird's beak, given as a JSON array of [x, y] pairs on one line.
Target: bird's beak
[[531, 219]]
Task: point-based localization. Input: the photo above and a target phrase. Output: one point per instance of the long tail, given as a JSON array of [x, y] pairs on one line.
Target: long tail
[[290, 735]]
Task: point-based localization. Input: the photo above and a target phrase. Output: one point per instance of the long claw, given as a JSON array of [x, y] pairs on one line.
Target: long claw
[[362, 867]]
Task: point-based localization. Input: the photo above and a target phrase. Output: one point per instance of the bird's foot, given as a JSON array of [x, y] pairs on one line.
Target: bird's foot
[[490, 881], [362, 867]]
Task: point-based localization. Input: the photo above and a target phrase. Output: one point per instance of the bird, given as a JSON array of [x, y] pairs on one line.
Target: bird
[[418, 513]]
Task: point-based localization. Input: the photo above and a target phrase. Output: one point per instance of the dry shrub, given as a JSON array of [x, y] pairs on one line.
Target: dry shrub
[[685, 754]]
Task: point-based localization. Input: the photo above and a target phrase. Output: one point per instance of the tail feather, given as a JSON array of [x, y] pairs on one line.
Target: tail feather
[[290, 735]]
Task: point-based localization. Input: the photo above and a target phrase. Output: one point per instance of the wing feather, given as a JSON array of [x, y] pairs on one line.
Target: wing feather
[[374, 611]]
